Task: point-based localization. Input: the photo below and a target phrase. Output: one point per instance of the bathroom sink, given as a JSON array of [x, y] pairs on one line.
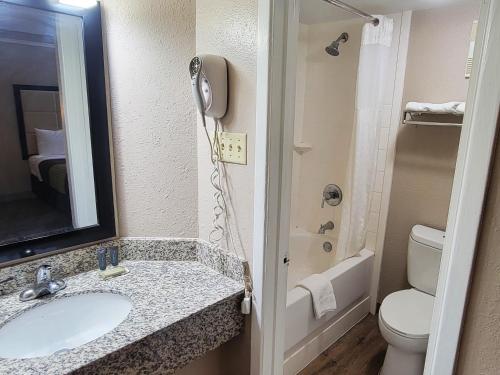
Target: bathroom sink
[[62, 324]]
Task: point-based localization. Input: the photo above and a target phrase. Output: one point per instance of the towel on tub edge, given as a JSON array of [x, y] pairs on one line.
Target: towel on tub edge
[[323, 297]]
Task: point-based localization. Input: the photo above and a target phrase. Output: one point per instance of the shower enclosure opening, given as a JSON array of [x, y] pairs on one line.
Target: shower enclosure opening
[[343, 65]]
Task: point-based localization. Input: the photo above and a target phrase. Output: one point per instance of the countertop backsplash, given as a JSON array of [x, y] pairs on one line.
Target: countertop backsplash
[[131, 248]]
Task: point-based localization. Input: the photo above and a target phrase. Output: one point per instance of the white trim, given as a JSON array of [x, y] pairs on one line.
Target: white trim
[[469, 186], [267, 336], [397, 99], [328, 336]]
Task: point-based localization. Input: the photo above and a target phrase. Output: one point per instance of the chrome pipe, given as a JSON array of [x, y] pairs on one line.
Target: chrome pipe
[[374, 20]]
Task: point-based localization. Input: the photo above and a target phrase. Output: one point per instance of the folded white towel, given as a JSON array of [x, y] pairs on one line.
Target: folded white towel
[[321, 289], [454, 108]]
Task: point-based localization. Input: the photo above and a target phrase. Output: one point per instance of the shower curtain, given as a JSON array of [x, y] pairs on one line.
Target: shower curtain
[[361, 170]]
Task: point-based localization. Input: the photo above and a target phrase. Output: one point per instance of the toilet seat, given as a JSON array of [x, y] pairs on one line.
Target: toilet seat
[[408, 313]]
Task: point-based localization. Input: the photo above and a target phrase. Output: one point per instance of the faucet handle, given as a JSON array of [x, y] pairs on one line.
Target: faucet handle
[[43, 273], [332, 195]]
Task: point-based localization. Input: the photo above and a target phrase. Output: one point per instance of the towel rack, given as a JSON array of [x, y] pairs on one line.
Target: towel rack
[[432, 119]]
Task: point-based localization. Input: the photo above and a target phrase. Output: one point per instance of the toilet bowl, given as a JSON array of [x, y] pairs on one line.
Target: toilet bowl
[[404, 321], [405, 316]]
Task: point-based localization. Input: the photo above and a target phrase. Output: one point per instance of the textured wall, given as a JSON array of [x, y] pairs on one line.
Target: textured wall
[[149, 45], [25, 65], [425, 156], [480, 343], [229, 28]]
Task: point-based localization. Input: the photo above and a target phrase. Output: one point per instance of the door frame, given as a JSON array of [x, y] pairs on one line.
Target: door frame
[[468, 193], [272, 194], [273, 175]]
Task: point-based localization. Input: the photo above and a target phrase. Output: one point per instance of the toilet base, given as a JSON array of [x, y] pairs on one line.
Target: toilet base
[[398, 362]]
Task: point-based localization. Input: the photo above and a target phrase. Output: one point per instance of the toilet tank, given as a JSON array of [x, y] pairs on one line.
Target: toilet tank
[[424, 257]]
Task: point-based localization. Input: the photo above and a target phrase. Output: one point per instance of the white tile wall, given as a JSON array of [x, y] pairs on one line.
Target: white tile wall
[[381, 155], [386, 116], [373, 221], [376, 201], [383, 139], [376, 195], [379, 181], [371, 240]]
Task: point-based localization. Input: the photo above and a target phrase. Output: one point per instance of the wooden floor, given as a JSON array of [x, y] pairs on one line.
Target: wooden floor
[[361, 351]]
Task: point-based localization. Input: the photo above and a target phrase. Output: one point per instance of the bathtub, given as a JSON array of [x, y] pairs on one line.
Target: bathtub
[[306, 337]]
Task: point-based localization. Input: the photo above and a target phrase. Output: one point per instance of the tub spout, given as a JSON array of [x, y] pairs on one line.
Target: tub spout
[[327, 226]]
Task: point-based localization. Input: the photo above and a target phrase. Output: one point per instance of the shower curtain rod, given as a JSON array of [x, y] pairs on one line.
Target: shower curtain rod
[[350, 9]]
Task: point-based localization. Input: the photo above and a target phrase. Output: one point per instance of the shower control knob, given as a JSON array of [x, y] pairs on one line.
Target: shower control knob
[[332, 195]]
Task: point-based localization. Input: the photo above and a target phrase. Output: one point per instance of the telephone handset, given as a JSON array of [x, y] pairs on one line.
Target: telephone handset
[[209, 84]]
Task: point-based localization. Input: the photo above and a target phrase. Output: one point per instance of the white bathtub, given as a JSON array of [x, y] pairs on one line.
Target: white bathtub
[[306, 337], [307, 255]]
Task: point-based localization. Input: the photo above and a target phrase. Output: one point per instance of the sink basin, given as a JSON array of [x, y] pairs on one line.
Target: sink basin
[[62, 324]]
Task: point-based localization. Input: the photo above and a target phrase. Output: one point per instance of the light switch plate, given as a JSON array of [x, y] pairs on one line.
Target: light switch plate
[[233, 147]]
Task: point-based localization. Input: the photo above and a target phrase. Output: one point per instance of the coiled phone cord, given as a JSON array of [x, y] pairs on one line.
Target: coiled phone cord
[[218, 232]]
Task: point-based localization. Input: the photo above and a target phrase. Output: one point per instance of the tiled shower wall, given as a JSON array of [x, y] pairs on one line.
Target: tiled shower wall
[[376, 221], [376, 195]]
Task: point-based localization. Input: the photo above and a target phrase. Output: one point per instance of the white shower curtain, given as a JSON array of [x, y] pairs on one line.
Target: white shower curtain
[[361, 170]]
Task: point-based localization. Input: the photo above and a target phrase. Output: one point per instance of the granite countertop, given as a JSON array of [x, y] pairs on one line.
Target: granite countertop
[[180, 309]]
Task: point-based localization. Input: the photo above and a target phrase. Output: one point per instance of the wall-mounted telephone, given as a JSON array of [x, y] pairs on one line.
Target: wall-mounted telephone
[[209, 84]]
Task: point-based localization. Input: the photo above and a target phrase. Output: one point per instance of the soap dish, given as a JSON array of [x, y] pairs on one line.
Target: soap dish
[[111, 272]]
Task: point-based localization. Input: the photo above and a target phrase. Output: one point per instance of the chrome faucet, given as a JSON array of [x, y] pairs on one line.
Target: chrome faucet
[[44, 285], [327, 226]]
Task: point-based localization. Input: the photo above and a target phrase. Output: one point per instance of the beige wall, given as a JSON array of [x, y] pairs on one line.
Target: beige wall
[[149, 46], [154, 126], [25, 65], [480, 343], [229, 28], [425, 156], [326, 87]]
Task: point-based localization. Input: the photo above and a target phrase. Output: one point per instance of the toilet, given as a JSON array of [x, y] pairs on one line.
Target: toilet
[[405, 315]]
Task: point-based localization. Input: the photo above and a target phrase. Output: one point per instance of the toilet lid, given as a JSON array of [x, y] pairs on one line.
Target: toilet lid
[[408, 312]]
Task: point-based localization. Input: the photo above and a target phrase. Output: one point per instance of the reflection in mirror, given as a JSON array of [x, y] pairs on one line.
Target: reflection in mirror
[[46, 171]]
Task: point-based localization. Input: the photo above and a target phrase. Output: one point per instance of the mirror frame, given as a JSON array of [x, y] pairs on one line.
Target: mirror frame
[[100, 140]]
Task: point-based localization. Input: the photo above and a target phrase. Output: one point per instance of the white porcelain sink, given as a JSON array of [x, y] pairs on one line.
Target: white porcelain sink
[[63, 324]]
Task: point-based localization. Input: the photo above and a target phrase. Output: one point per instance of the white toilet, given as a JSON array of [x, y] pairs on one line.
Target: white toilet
[[405, 316]]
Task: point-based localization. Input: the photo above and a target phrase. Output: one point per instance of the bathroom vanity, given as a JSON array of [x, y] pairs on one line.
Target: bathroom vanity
[[184, 298], [180, 298]]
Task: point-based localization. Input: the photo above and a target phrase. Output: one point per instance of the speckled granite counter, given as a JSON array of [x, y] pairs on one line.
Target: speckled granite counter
[[181, 309]]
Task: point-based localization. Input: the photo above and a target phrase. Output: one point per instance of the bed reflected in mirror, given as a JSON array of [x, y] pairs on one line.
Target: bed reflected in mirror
[[46, 170]]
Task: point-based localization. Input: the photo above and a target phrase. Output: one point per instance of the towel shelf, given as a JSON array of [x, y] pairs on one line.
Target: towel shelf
[[432, 119]]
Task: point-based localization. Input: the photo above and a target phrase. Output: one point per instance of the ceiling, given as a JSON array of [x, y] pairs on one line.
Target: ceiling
[[318, 11]]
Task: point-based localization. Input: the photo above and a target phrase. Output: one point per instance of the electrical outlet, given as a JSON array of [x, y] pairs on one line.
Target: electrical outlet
[[233, 147]]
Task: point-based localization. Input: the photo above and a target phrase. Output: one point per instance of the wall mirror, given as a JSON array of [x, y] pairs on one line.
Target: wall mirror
[[55, 172]]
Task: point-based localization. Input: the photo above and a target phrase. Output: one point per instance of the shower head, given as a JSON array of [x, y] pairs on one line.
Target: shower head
[[333, 48]]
